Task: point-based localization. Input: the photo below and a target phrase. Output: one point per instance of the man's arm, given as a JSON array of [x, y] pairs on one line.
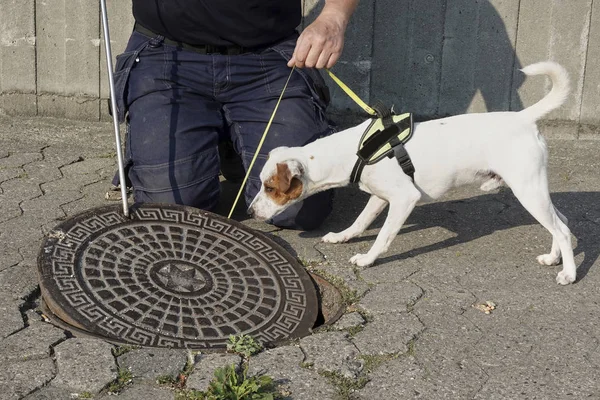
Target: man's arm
[[320, 44]]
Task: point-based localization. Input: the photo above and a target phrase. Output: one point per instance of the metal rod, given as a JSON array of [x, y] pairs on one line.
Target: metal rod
[[113, 103]]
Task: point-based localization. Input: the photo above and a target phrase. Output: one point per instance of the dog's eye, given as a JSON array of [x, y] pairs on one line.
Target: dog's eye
[[268, 189]]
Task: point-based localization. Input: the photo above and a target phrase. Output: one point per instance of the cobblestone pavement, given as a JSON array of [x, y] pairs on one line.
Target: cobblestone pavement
[[410, 329]]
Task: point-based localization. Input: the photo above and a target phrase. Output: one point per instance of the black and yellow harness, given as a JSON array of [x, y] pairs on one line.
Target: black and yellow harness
[[385, 136]]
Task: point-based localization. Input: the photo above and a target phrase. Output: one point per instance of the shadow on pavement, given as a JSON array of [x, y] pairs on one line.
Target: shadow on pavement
[[476, 217]]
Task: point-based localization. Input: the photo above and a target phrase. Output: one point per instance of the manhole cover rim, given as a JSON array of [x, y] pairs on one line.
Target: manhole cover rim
[[64, 310]]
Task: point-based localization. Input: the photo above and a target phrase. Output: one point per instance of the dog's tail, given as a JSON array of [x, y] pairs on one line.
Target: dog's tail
[[557, 96]]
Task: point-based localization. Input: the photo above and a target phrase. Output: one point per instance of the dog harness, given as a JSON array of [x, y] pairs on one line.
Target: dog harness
[[385, 137]]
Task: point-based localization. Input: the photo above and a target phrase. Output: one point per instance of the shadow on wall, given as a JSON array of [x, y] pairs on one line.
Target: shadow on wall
[[434, 58]]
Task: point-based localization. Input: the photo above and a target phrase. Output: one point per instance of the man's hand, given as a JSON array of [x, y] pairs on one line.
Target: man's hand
[[320, 44]]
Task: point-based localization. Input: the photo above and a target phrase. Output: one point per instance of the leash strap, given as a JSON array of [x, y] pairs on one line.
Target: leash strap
[[352, 95], [262, 140], [387, 135]]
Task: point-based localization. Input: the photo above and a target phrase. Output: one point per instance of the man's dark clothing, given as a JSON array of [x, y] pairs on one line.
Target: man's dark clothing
[[179, 103], [247, 23]]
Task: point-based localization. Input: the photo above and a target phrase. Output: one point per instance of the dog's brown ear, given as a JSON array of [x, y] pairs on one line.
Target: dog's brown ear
[[283, 178]]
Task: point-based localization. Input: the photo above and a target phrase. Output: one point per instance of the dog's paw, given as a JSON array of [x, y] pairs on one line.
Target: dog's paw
[[362, 260], [564, 278], [548, 259], [333, 237]]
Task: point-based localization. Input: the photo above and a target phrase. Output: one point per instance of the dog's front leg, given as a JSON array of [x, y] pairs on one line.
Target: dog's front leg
[[402, 202], [374, 207]]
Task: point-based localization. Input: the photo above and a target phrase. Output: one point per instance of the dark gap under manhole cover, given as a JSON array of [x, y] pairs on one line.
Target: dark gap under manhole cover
[[331, 302], [172, 276]]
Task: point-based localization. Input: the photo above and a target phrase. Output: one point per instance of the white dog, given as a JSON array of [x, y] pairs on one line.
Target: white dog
[[494, 148]]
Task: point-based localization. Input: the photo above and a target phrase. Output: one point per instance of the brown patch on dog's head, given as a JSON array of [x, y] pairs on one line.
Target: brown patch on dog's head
[[283, 186]]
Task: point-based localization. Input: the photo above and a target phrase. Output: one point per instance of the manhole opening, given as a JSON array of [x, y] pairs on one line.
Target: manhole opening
[[330, 301]]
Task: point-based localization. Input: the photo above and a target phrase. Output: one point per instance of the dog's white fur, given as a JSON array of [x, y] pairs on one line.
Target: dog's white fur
[[496, 148]]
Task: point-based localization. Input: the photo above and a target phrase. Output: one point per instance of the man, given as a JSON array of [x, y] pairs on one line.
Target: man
[[196, 72]]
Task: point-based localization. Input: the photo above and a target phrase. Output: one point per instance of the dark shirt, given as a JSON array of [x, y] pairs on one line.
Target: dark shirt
[[248, 23]]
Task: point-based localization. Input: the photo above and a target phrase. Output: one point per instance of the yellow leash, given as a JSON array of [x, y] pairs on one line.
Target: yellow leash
[[341, 84], [352, 95], [262, 140]]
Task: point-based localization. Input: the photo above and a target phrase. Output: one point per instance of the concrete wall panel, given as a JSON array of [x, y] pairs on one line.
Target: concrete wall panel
[[408, 54], [434, 58], [478, 56], [17, 57], [120, 25], [560, 34], [590, 99], [354, 66]]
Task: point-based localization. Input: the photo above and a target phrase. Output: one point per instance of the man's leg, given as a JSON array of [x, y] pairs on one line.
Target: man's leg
[[255, 83], [174, 125]]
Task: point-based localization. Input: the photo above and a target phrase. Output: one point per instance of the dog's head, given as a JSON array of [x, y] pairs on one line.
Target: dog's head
[[283, 183]]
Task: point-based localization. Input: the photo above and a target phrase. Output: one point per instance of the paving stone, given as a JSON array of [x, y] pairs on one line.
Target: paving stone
[[283, 365], [8, 173], [9, 257], [21, 188], [9, 209], [391, 272], [345, 274], [390, 297], [404, 378], [21, 378], [350, 320], [70, 183], [142, 392], [84, 365], [388, 334], [43, 171], [205, 366], [47, 208], [332, 352], [151, 363], [51, 393], [544, 381], [19, 281], [19, 159], [11, 319], [33, 342], [30, 254], [85, 167]]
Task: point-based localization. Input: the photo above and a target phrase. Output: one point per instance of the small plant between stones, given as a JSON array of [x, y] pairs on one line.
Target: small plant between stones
[[118, 351], [345, 386], [124, 378], [244, 345], [229, 384], [179, 381]]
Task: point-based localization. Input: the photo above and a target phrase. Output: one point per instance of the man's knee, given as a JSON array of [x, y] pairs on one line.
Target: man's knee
[[193, 181]]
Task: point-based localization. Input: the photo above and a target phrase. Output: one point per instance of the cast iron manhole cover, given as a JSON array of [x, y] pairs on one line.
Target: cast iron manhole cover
[[173, 276]]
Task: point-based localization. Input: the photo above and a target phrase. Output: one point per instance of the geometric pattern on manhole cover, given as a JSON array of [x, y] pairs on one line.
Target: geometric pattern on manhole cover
[[173, 276]]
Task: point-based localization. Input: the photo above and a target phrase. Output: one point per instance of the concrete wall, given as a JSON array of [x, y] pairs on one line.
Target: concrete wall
[[434, 57]]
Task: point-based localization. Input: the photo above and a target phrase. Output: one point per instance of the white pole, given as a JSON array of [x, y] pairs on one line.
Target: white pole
[[113, 102]]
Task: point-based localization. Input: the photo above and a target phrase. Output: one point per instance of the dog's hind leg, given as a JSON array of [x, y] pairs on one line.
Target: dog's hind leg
[[374, 207], [553, 258], [535, 197], [402, 201]]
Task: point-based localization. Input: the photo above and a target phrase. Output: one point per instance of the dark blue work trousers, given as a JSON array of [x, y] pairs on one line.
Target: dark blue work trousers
[[179, 103]]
